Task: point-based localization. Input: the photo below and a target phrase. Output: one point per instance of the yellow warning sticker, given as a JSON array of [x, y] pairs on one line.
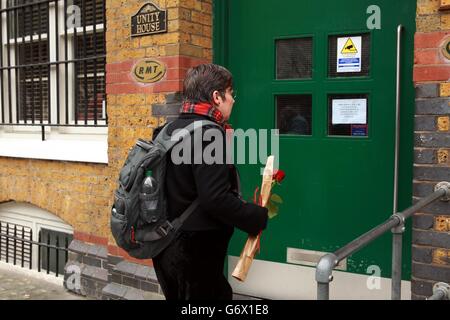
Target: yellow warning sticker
[[349, 47], [349, 57]]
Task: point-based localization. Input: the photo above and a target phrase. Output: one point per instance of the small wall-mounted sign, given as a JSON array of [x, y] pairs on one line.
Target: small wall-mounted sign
[[446, 49], [149, 71], [149, 20]]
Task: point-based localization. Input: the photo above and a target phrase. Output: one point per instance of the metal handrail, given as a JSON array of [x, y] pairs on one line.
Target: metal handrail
[[441, 291], [396, 223]]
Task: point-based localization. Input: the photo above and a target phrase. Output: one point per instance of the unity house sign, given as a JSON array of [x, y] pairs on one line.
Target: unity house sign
[[149, 20]]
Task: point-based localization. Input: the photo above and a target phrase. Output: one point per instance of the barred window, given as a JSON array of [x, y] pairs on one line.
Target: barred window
[[52, 63]]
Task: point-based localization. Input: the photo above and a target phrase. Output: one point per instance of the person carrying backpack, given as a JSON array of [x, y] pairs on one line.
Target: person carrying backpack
[[191, 267]]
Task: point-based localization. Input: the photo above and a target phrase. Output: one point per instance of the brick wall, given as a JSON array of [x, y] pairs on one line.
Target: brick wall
[[135, 109], [431, 233], [81, 193], [78, 193]]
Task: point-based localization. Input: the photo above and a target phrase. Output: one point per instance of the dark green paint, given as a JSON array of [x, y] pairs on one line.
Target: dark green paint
[[336, 187]]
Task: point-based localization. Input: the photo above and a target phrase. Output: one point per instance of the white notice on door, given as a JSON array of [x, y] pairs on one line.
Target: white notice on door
[[349, 111]]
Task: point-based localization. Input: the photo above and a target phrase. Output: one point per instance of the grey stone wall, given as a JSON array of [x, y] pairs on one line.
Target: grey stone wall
[[91, 272], [431, 226]]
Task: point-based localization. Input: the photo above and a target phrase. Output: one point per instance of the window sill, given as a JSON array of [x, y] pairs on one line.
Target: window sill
[[70, 147]]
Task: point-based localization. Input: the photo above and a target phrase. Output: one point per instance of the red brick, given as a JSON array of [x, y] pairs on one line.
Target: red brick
[[428, 56], [98, 240], [188, 62], [120, 67], [182, 62], [429, 39], [168, 86], [171, 62], [121, 88], [183, 73], [120, 81], [81, 236], [431, 73], [113, 250], [173, 74], [122, 77], [90, 238], [118, 252]]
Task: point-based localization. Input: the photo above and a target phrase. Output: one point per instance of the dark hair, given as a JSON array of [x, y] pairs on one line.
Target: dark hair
[[201, 81]]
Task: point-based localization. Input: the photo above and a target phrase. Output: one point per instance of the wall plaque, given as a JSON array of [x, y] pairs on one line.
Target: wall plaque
[[149, 71], [149, 20]]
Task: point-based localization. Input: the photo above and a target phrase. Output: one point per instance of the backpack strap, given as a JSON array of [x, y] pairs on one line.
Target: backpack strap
[[167, 227], [164, 139]]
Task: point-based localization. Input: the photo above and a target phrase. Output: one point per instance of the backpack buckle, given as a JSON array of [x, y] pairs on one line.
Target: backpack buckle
[[165, 228]]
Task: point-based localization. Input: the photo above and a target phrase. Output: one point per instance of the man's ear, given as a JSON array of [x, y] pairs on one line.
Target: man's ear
[[216, 97]]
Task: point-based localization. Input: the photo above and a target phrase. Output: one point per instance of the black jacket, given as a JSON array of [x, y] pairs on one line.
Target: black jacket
[[213, 184]]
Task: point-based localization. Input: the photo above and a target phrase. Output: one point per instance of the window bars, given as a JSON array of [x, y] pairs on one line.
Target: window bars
[[52, 63], [49, 254]]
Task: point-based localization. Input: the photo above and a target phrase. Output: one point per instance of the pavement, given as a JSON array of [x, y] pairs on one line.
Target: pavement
[[18, 283], [22, 284]]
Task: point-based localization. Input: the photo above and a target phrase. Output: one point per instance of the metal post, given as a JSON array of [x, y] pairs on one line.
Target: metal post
[[30, 246], [323, 291], [397, 232], [324, 275], [397, 241], [397, 117], [23, 247], [57, 255]]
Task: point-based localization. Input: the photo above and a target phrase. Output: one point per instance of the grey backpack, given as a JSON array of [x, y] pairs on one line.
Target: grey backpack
[[145, 233]]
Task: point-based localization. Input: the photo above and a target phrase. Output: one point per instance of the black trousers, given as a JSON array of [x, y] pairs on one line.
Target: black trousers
[[191, 268]]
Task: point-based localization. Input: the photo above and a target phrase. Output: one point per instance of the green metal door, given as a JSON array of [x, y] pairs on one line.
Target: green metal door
[[337, 126]]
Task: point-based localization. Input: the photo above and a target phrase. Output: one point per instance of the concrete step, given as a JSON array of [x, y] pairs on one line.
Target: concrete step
[[136, 276], [114, 291], [238, 296]]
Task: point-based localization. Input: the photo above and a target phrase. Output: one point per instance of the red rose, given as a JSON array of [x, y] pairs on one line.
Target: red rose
[[279, 175]]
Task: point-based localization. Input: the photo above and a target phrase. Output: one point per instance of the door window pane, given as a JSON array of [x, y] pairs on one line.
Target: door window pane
[[294, 58], [294, 114]]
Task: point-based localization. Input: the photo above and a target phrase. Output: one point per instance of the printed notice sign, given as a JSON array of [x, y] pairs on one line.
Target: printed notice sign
[[349, 54], [349, 111]]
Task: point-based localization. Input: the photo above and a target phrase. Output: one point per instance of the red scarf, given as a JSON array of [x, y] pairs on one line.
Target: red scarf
[[206, 109], [203, 109]]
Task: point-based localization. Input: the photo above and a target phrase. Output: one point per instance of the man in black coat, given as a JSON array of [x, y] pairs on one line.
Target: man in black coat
[[192, 267]]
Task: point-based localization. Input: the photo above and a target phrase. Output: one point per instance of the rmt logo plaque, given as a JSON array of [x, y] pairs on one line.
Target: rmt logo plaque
[[149, 20]]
